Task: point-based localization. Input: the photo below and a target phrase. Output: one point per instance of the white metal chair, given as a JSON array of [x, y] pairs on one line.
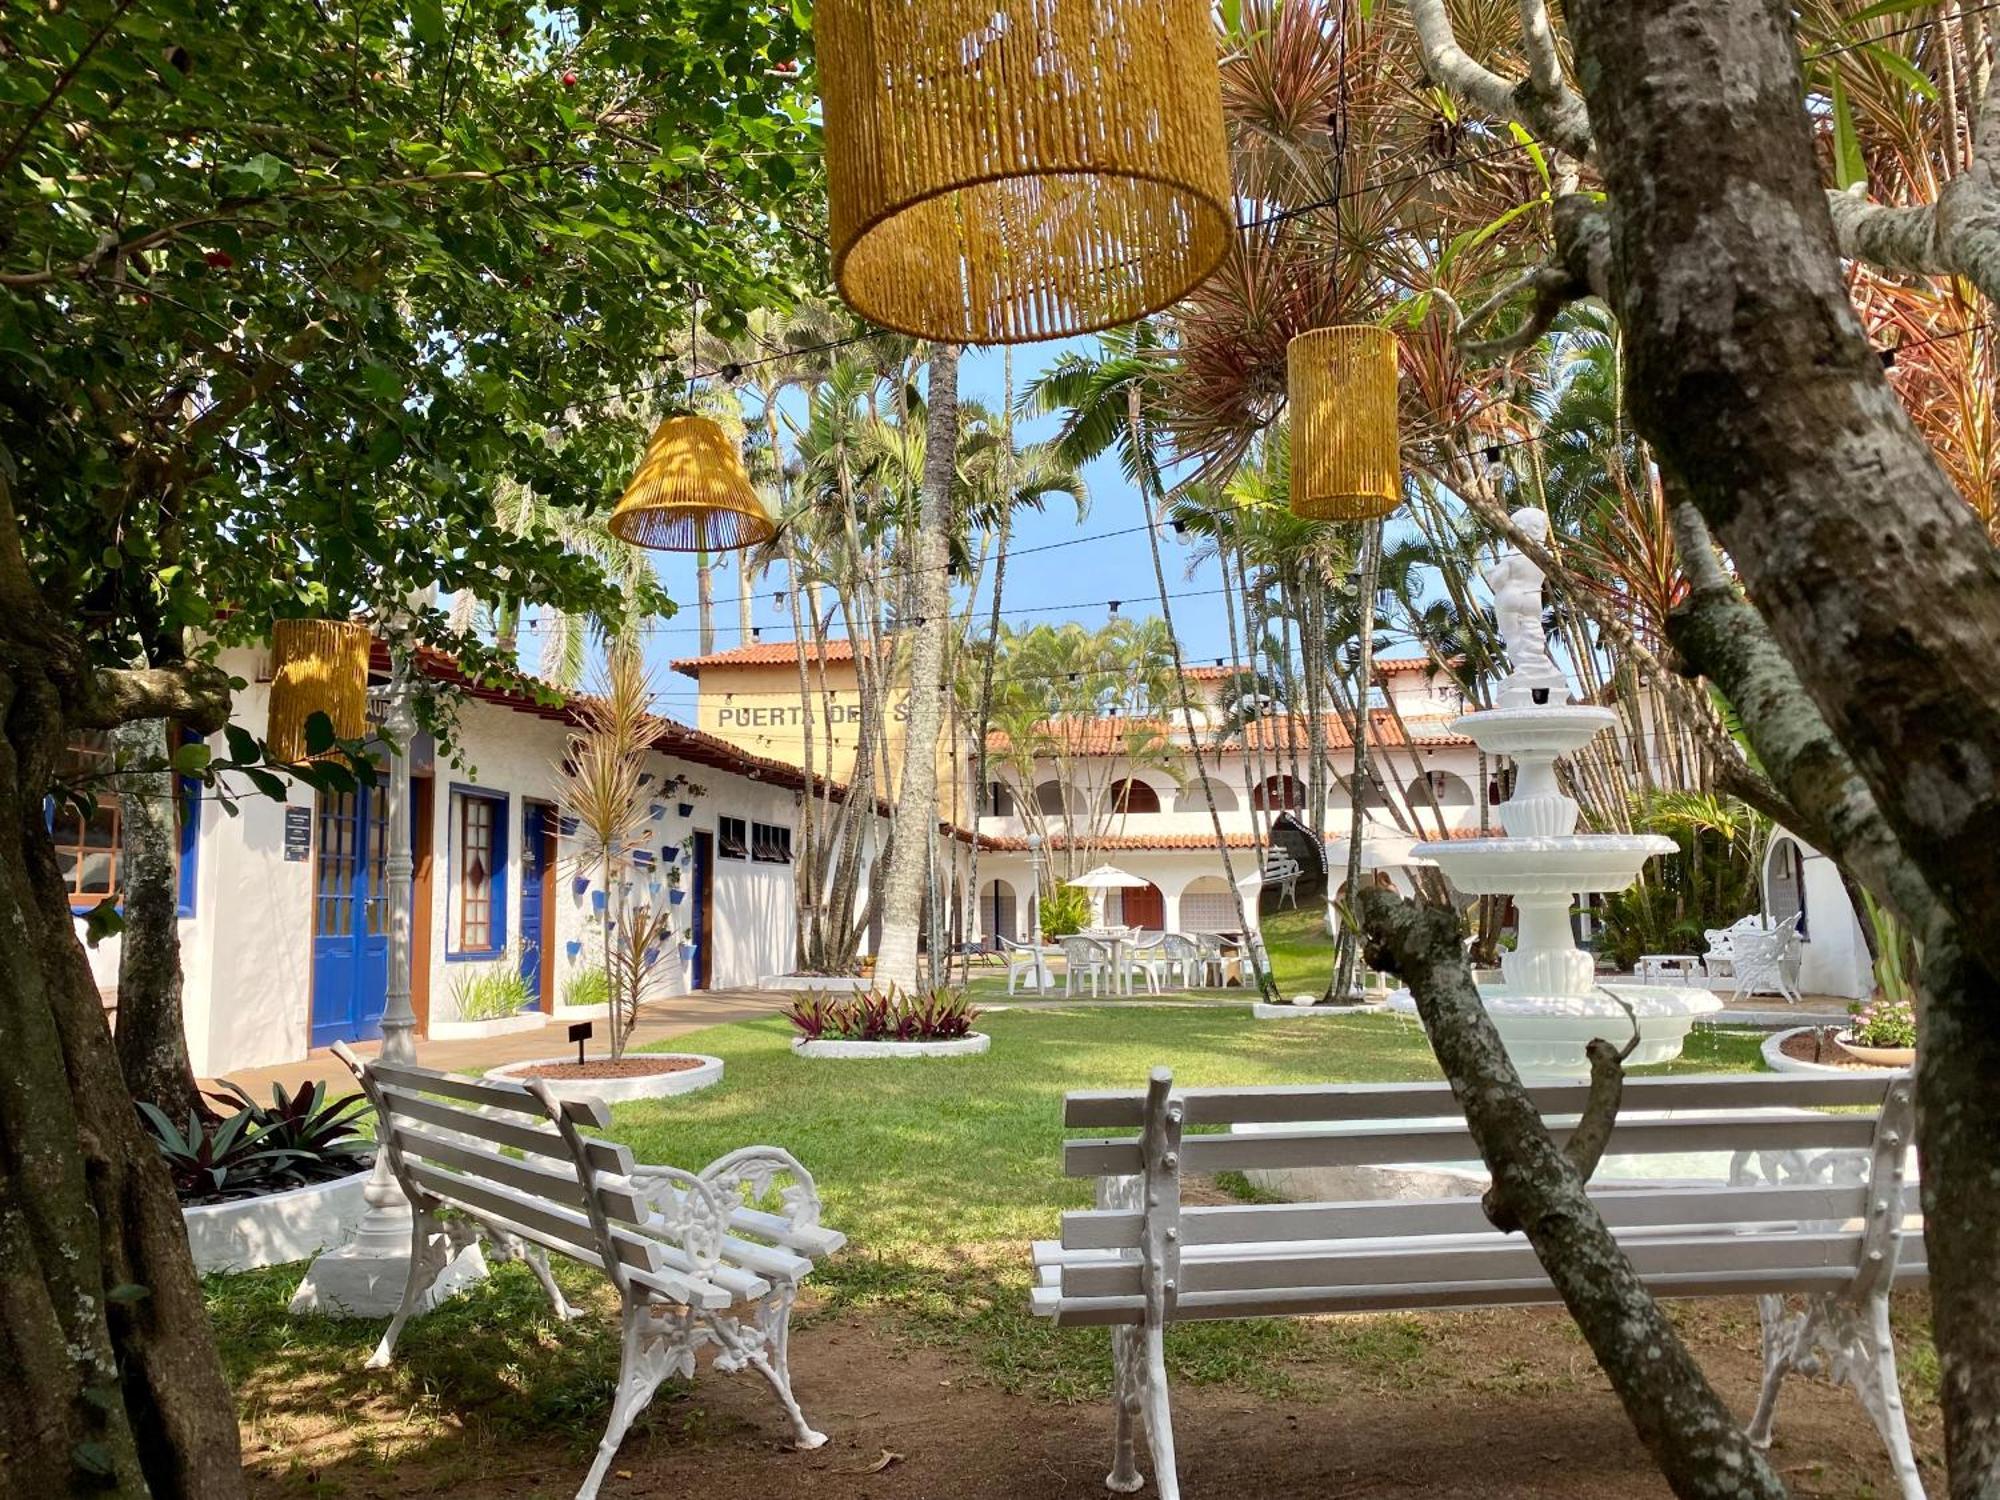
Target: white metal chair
[[1024, 958], [1767, 963], [1281, 870], [1086, 958]]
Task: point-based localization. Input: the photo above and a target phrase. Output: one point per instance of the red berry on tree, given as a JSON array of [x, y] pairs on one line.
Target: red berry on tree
[[569, 80], [222, 260]]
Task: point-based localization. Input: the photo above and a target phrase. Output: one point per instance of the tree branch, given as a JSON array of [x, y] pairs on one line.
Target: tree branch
[[61, 86], [1555, 114], [1678, 1416], [1957, 235], [195, 694], [1720, 636]]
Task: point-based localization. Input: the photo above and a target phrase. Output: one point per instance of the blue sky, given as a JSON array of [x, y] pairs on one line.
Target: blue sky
[[1072, 579]]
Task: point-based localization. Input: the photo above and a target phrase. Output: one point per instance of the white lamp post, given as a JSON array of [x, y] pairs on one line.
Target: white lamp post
[[365, 1277]]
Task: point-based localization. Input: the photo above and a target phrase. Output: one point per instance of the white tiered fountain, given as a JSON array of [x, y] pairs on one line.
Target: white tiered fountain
[[1551, 1005]]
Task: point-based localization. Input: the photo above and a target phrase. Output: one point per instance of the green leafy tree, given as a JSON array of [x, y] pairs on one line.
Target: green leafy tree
[[285, 291]]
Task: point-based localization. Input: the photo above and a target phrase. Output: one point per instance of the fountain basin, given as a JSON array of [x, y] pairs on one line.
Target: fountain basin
[[1550, 865], [1542, 731], [1545, 1034]]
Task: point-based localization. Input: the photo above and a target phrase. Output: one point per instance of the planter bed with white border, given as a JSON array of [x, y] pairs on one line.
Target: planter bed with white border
[[832, 984], [596, 1012], [1775, 1059], [964, 1046], [246, 1234], [462, 1031], [1267, 1012], [616, 1090]]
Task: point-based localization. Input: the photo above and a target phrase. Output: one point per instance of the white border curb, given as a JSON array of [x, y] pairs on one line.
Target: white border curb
[[1266, 1012], [965, 1046], [247, 1234], [1777, 1062], [460, 1031], [618, 1090], [825, 984]]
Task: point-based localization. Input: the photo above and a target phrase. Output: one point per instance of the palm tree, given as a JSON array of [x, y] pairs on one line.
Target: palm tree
[[1106, 405]]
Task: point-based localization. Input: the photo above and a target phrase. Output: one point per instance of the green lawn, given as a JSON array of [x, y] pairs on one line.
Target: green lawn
[[940, 1173]]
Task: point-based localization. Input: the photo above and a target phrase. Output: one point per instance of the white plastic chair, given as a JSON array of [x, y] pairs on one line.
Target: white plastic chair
[[1085, 957], [1146, 955], [1185, 957], [1024, 958]]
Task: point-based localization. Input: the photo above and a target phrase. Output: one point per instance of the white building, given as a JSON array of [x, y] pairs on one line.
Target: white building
[[1152, 818], [284, 930]]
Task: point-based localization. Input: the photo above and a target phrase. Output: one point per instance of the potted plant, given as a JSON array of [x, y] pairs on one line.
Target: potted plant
[[695, 791], [1883, 1033]]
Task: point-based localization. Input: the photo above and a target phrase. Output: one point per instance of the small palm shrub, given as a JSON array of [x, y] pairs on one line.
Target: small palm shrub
[[1065, 910], [490, 994], [940, 1015]]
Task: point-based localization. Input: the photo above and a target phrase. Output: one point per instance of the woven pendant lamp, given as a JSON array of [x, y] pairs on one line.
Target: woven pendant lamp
[[691, 493], [318, 666], [1341, 386], [1000, 171]]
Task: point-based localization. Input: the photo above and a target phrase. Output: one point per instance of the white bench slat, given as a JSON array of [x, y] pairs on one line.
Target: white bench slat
[[1306, 1301], [740, 1284], [604, 1156], [1288, 1104], [1450, 1141], [633, 1249], [1118, 1229], [617, 1202], [813, 1241], [1415, 1267], [489, 1092]]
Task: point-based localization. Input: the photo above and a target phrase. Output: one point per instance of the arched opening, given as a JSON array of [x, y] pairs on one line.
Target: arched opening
[[1136, 906], [1192, 800], [1279, 793], [1133, 796], [1785, 881], [1049, 799], [999, 800], [1207, 906], [1449, 789], [997, 912]]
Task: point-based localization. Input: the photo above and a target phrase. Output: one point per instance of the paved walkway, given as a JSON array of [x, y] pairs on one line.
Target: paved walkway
[[658, 1021]]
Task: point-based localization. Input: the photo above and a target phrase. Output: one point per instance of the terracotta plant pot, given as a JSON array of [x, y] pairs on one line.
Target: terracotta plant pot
[[1877, 1057]]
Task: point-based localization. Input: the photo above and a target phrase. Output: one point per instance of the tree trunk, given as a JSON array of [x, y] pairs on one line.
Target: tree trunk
[[1751, 376], [1341, 986], [704, 593], [916, 799], [1683, 1423], [746, 625], [113, 1385], [152, 1034]]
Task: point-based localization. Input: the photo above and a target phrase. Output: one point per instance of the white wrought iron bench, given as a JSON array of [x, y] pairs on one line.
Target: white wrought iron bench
[[1815, 1203], [698, 1258]]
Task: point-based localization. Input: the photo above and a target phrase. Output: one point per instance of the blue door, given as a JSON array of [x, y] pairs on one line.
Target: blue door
[[350, 917], [537, 862]]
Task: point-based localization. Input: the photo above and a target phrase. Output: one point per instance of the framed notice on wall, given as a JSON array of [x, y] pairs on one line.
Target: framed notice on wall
[[298, 833]]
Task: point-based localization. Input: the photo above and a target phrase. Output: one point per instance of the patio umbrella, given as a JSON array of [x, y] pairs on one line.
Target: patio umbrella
[[1105, 878], [1108, 878]]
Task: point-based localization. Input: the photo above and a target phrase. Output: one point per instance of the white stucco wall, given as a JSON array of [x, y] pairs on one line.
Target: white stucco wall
[[1833, 958]]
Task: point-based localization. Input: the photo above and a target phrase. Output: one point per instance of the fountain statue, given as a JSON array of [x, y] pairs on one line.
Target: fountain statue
[[1550, 1005]]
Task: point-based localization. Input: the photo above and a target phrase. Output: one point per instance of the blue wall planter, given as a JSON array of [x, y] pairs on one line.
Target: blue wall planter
[[656, 809], [579, 885], [685, 809], [670, 852], [675, 895], [573, 947], [597, 901]]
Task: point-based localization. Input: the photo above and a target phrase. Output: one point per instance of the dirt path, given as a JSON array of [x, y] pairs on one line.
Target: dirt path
[[1508, 1405]]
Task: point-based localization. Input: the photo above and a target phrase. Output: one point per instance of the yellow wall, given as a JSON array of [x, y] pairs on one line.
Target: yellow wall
[[757, 708]]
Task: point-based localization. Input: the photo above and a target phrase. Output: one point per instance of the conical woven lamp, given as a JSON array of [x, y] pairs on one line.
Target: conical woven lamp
[[317, 666], [1341, 387], [1011, 170], [691, 493]]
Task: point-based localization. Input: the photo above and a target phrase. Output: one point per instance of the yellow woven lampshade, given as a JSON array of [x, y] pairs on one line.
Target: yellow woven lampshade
[[317, 666], [1000, 171], [1341, 386], [691, 493]]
